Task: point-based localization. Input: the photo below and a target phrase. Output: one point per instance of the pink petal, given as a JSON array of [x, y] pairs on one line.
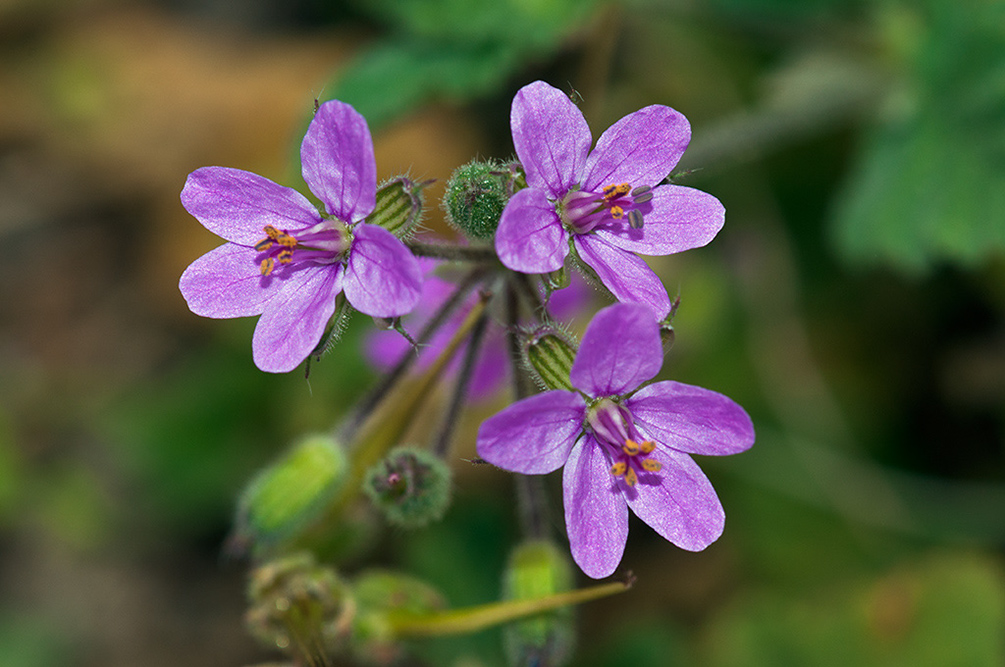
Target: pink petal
[[226, 282], [337, 161], [691, 419], [677, 219], [533, 436], [530, 237], [596, 516], [621, 349], [678, 502], [236, 205], [294, 320], [551, 137], [641, 149], [628, 278], [383, 278]]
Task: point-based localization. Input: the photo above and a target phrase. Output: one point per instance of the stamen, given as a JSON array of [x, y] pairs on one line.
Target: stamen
[[267, 265], [630, 447], [635, 220], [287, 240], [263, 245], [641, 190], [617, 212], [614, 191], [643, 198], [652, 465], [619, 468], [630, 477], [272, 232], [285, 256], [647, 447]]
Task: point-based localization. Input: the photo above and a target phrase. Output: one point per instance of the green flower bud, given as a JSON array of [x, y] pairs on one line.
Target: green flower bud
[[380, 596], [476, 196], [299, 607], [288, 495], [549, 352], [537, 569], [399, 206], [410, 486]]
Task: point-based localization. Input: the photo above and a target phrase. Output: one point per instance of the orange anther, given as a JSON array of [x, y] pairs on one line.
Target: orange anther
[[630, 447], [652, 465], [267, 265], [630, 477], [647, 447], [617, 212], [619, 468]]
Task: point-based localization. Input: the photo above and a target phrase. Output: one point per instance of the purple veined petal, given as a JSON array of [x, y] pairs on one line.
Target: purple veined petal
[[236, 205], [628, 278], [551, 137], [678, 502], [530, 237], [691, 419], [596, 516], [383, 278], [337, 161], [641, 149], [677, 219], [294, 320], [621, 349], [226, 282], [533, 436]]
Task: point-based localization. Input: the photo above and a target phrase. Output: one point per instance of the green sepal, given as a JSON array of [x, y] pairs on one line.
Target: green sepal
[[399, 206], [548, 353]]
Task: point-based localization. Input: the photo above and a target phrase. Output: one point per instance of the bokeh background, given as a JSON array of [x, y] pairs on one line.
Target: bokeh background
[[853, 303]]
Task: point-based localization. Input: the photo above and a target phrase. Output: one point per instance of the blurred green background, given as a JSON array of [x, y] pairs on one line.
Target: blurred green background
[[854, 303]]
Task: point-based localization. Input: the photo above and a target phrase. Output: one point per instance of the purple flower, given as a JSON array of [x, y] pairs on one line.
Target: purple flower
[[286, 261], [622, 446], [608, 201]]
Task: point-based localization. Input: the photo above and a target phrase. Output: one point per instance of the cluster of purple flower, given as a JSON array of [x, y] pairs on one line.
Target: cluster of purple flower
[[623, 443]]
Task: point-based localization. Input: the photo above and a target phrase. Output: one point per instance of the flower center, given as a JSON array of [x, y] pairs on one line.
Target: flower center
[[324, 243], [582, 211], [614, 428]]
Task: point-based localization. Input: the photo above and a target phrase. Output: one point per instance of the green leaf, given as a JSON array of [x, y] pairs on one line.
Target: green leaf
[[930, 184]]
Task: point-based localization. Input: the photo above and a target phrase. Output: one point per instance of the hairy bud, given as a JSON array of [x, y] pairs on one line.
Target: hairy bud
[[298, 607], [410, 486], [476, 196]]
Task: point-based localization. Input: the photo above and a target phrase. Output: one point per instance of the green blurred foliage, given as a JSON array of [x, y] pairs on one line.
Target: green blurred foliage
[[450, 49], [929, 186], [947, 609]]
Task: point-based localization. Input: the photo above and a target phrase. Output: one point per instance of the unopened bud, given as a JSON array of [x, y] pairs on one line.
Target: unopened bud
[[298, 607], [399, 206], [475, 198], [288, 495], [549, 353], [537, 569], [410, 486], [380, 595]]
